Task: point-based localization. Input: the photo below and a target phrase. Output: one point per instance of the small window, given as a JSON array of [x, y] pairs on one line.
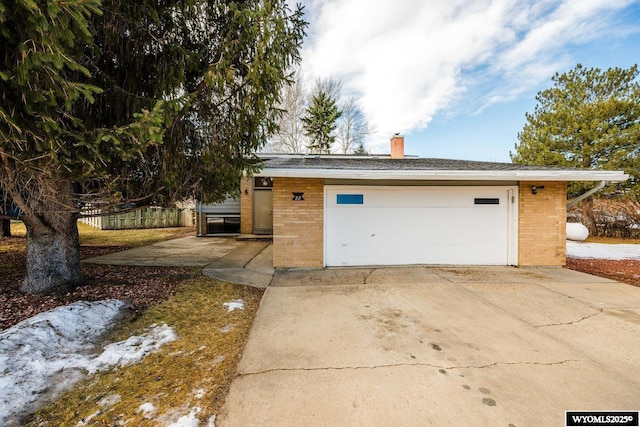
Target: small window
[[483, 201], [350, 199]]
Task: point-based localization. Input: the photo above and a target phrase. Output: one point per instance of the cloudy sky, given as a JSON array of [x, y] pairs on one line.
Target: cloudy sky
[[456, 77]]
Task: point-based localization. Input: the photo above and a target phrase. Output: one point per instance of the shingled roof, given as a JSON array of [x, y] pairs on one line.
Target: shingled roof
[[371, 167], [373, 163]]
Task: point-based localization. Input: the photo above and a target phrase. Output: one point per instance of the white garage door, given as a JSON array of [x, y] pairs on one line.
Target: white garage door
[[420, 225]]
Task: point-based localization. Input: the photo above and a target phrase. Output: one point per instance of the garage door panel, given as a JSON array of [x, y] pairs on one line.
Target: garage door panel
[[436, 225], [357, 255], [444, 224], [417, 226]]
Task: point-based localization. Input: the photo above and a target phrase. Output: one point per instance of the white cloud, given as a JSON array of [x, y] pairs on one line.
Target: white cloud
[[407, 60]]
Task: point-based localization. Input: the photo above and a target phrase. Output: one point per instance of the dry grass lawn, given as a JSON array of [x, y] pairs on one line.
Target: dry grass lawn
[[126, 238], [187, 375], [193, 372]]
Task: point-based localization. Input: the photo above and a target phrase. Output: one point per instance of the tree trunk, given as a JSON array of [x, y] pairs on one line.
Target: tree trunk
[[53, 253], [5, 228]]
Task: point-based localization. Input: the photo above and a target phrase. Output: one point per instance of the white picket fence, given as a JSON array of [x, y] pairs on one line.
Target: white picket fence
[[150, 217]]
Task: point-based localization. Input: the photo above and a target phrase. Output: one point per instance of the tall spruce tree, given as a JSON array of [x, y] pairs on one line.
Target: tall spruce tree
[[588, 119], [109, 102], [320, 122]]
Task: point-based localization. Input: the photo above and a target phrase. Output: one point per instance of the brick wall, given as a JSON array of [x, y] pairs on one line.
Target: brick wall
[[298, 226], [541, 224], [246, 205]]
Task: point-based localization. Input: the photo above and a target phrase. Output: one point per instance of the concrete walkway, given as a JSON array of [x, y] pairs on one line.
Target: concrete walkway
[[250, 264], [223, 258], [415, 346]]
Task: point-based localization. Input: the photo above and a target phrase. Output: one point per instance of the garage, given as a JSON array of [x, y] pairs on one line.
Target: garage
[[343, 210], [400, 225]]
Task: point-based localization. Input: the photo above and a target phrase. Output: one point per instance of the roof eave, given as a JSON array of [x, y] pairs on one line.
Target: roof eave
[[448, 175]]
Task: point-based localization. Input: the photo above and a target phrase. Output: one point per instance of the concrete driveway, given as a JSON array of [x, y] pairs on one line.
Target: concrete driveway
[[418, 346]]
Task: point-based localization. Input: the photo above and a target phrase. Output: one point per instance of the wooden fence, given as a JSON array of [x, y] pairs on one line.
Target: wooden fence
[[140, 218]]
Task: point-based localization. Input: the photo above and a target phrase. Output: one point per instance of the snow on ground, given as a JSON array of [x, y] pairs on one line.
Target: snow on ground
[[147, 409], [236, 304], [603, 251], [190, 420], [52, 350], [133, 349]]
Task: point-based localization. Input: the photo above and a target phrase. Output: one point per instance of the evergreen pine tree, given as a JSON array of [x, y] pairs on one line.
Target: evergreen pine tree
[[108, 102], [588, 119], [320, 123]]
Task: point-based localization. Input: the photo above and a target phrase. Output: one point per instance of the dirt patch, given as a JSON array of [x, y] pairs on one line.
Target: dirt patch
[[626, 271]]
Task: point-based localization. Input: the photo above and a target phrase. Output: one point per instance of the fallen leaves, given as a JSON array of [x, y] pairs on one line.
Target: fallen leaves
[[140, 286]]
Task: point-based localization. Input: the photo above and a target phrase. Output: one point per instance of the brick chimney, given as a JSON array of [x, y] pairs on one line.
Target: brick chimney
[[397, 146]]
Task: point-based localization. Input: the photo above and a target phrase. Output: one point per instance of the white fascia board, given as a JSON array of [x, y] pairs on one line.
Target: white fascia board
[[460, 175]]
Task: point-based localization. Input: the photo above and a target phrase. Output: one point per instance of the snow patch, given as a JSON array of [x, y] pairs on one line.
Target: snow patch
[[133, 349], [51, 351], [46, 351], [147, 408], [603, 251], [237, 304], [190, 420]]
